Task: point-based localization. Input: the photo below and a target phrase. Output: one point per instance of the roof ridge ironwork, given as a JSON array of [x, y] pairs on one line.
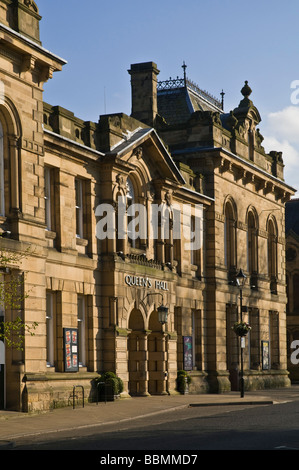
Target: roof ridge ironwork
[[177, 83], [203, 93]]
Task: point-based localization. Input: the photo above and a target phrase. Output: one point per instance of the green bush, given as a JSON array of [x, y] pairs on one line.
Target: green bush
[[111, 379]]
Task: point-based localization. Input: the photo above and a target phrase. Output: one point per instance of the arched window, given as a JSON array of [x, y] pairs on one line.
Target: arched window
[[137, 225], [230, 238], [272, 250], [272, 255], [252, 249], [10, 132], [2, 197]]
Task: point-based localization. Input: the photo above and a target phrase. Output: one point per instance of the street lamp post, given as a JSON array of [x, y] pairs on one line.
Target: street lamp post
[[162, 317], [241, 279]]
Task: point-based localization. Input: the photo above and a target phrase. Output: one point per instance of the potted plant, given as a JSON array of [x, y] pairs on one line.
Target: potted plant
[[241, 328], [183, 381]]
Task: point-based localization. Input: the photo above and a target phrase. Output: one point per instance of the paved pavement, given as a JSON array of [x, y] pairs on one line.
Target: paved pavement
[[15, 425]]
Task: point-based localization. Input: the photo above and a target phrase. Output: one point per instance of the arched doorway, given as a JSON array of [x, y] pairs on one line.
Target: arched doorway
[[137, 355], [157, 357]]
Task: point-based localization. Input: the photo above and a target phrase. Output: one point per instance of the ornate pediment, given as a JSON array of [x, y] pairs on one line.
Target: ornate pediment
[[31, 5]]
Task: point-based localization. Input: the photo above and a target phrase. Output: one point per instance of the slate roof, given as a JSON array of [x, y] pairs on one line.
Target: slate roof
[[178, 99]]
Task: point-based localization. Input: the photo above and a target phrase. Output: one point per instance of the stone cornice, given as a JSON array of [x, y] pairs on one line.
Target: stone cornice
[[251, 173], [52, 138], [29, 44], [243, 169]]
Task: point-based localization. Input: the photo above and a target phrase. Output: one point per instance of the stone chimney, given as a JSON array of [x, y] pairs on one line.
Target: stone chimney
[[144, 92], [22, 16]]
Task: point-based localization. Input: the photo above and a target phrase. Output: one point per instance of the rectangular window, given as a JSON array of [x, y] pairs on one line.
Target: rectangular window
[[79, 208], [50, 314], [197, 339], [254, 338], [52, 199], [196, 248], [84, 216], [48, 199], [82, 330], [274, 338]]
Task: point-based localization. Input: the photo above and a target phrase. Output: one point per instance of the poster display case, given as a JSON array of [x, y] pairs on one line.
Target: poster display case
[[71, 350], [188, 354]]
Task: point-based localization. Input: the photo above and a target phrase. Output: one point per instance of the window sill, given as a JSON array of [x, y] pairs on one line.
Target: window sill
[[51, 235], [81, 241], [195, 272]]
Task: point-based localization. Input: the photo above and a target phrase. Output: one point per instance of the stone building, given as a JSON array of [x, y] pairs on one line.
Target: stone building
[[87, 277], [244, 227]]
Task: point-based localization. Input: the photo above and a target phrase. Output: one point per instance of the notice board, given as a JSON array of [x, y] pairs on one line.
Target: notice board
[[71, 350]]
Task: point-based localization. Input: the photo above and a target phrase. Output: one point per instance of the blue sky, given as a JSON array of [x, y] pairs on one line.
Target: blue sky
[[223, 42]]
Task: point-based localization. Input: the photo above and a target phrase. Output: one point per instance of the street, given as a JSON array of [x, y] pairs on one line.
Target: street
[[236, 427]]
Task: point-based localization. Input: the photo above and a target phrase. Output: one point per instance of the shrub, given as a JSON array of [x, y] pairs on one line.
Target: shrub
[[111, 379]]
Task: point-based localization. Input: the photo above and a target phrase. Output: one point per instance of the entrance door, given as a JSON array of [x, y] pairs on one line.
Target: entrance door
[[137, 349], [157, 357]]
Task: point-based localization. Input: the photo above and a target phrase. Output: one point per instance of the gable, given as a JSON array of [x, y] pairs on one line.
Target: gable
[[143, 147]]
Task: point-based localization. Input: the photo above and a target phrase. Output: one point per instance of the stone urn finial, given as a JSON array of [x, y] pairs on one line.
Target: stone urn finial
[[246, 90]]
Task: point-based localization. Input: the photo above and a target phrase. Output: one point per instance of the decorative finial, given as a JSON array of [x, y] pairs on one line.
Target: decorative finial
[[246, 90], [222, 99], [184, 66]]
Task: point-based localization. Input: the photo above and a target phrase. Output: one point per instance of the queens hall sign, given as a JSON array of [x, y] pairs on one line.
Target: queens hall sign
[[145, 282]]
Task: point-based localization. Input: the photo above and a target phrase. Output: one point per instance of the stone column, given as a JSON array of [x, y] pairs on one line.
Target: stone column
[[143, 364]]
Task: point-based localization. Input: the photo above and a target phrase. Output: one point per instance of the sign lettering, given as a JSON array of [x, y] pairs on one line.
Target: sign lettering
[[146, 282]]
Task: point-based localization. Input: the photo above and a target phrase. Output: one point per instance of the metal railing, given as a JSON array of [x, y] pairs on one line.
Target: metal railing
[[74, 395], [171, 84], [175, 83]]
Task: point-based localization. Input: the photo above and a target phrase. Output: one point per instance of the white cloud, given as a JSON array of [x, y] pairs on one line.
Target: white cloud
[[284, 124], [281, 133]]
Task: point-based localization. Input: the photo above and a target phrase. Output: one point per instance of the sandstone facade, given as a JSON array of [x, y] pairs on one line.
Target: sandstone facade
[[58, 171]]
